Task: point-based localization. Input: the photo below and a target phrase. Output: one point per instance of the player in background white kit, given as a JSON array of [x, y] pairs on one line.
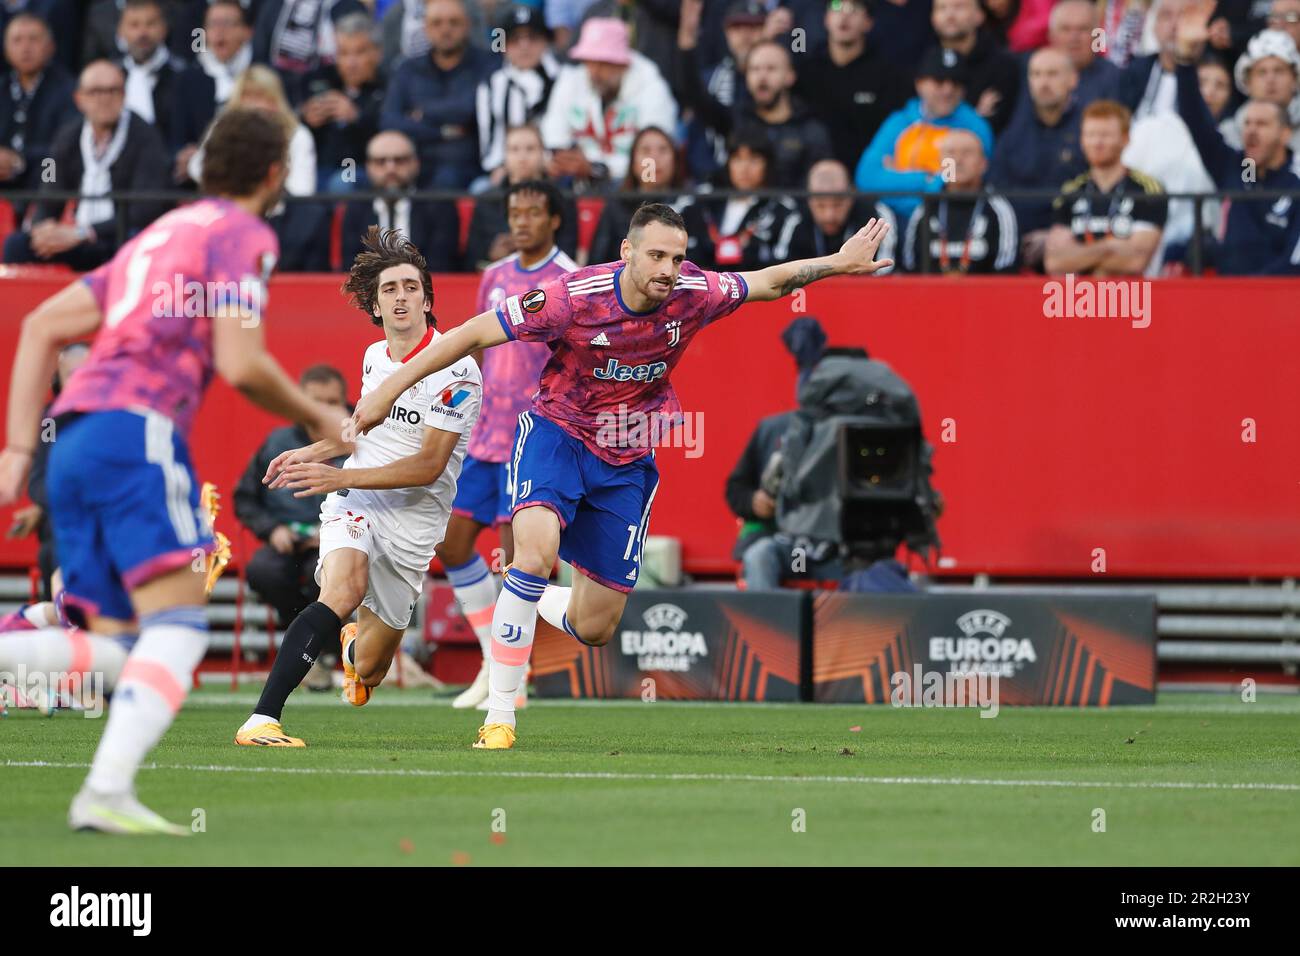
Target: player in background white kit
[[388, 505]]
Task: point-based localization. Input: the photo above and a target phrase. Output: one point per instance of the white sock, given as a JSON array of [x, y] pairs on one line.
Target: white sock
[[256, 721], [43, 614], [553, 605], [476, 592], [52, 650], [513, 624], [153, 685]]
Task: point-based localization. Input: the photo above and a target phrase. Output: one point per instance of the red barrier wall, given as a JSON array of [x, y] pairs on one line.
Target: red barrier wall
[[1071, 434]]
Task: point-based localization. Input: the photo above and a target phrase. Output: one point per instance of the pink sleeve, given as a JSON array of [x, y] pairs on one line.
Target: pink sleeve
[[97, 282], [727, 293], [539, 315], [244, 259]]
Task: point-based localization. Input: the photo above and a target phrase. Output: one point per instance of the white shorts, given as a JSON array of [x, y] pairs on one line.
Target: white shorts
[[393, 588]]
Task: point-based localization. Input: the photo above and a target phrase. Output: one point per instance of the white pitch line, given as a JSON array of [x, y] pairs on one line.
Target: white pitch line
[[693, 777], [1271, 706]]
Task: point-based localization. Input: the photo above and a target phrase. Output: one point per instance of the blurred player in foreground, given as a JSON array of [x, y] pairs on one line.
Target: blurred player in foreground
[[69, 667], [510, 374], [184, 297], [388, 505], [584, 470]]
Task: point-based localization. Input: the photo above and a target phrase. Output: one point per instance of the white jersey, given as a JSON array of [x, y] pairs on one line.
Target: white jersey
[[411, 521]]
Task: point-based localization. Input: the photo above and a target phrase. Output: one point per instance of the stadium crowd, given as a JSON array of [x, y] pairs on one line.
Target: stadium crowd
[[996, 135]]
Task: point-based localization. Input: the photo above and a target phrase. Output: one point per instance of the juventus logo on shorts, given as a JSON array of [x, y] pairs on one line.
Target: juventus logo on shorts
[[526, 487]]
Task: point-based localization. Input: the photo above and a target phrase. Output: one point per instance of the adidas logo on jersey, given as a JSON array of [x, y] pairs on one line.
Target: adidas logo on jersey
[[601, 339]]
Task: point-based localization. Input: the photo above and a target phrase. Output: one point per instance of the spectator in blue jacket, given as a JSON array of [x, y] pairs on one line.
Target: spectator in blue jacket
[[433, 98], [61, 16], [35, 100], [1071, 29], [1040, 149], [904, 154], [1261, 237]]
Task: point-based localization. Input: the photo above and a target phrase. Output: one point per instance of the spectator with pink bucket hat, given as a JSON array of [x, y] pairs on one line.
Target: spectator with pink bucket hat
[[601, 102]]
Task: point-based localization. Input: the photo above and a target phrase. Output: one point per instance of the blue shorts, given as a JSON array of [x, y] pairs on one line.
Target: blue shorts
[[604, 509], [124, 505], [483, 491]]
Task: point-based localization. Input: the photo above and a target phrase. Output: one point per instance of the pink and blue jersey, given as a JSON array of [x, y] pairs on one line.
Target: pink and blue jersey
[[511, 370], [609, 363], [124, 499], [158, 296]]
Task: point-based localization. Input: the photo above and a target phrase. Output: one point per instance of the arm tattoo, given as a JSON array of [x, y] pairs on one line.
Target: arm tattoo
[[805, 275]]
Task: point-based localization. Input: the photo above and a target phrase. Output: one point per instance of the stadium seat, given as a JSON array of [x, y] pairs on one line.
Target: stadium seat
[[336, 238], [6, 220], [589, 210], [465, 211]]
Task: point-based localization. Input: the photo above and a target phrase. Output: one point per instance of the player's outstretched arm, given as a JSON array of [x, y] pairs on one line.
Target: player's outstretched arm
[[239, 351], [322, 450], [856, 257], [413, 471], [481, 332], [70, 314]]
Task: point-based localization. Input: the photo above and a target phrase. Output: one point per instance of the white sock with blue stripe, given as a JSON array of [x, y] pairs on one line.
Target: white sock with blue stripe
[[513, 624], [476, 592], [553, 606]]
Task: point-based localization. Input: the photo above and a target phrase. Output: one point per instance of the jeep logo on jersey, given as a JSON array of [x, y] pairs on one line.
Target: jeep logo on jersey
[[615, 370], [408, 416], [534, 300]]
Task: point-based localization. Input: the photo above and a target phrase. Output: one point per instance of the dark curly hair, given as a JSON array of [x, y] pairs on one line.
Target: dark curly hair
[[242, 144], [384, 249], [542, 187]]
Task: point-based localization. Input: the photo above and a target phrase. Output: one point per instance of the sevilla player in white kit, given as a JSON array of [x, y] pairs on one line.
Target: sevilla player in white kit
[[387, 507]]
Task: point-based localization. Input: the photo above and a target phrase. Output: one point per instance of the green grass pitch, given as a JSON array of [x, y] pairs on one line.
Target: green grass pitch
[[1196, 780]]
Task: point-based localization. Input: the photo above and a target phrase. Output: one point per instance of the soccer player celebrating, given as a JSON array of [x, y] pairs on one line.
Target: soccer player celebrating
[[510, 374], [584, 476], [388, 505], [125, 506]]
